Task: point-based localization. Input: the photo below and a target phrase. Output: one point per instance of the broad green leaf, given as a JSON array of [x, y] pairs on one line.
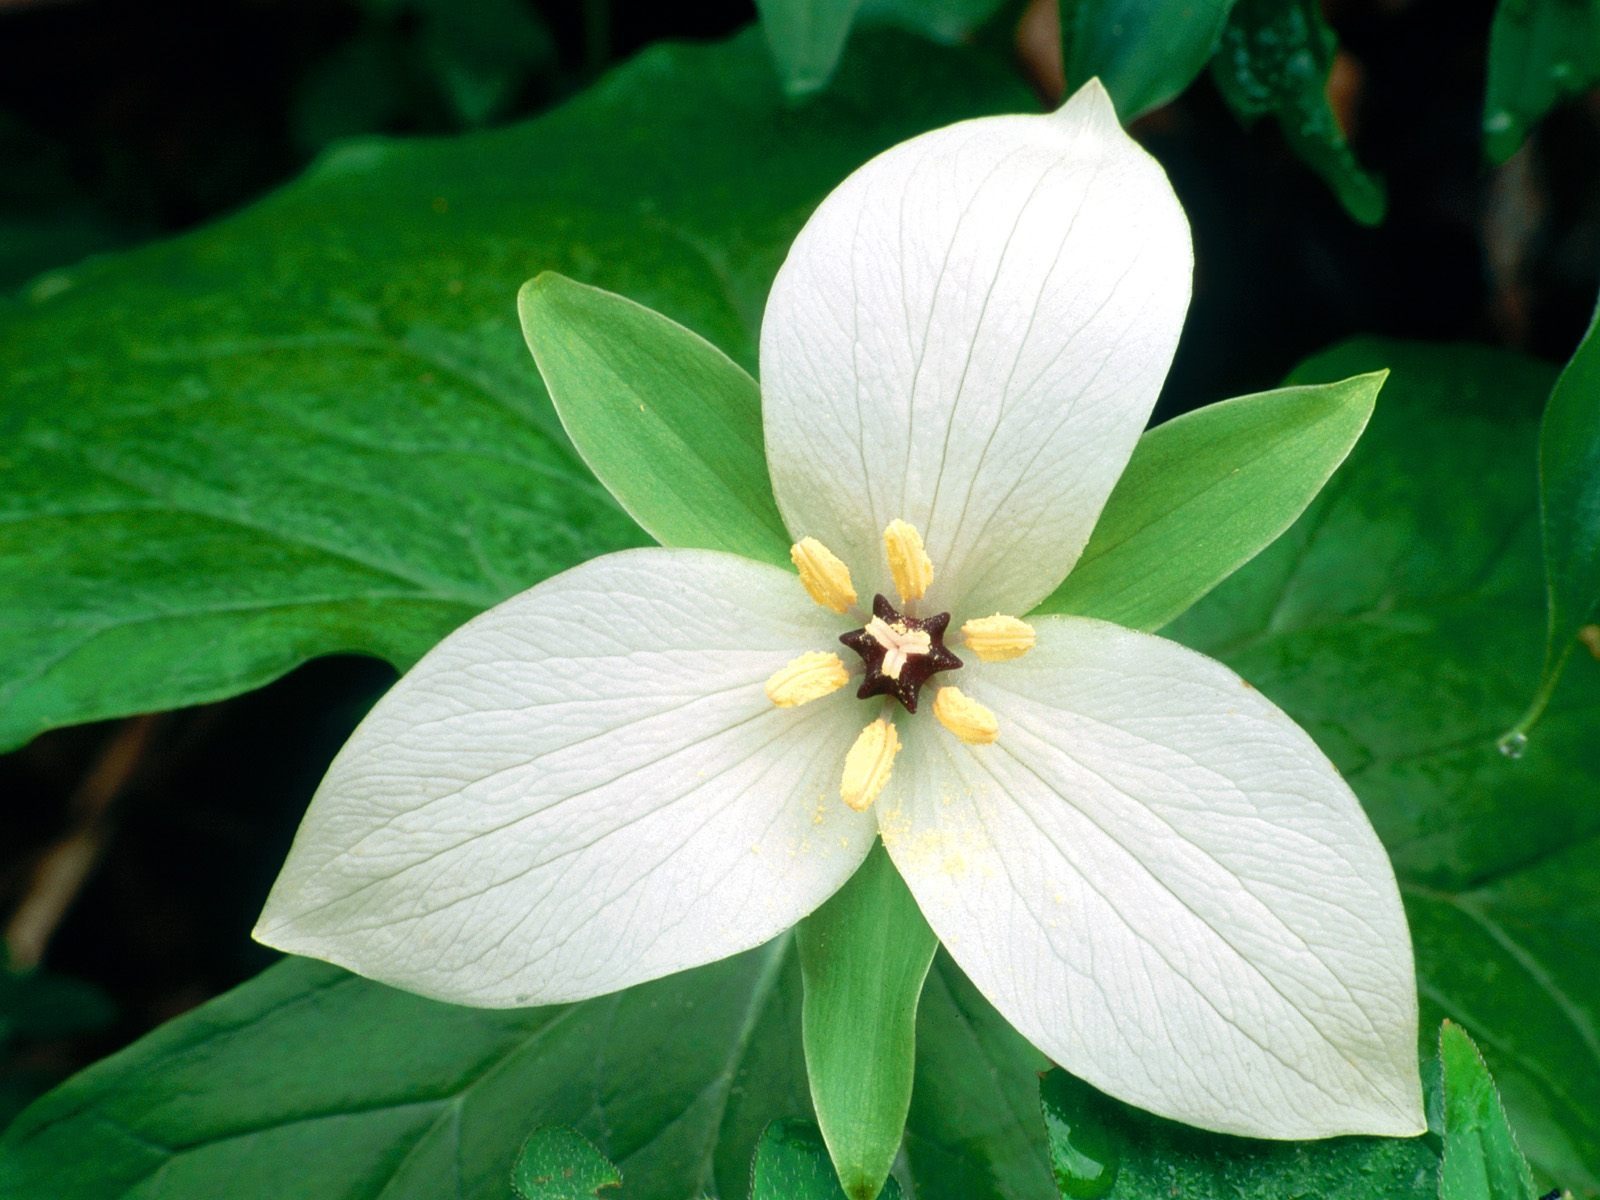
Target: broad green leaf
[[1540, 52], [558, 1163], [309, 1081], [1274, 58], [1481, 1159], [1101, 1147], [1144, 51], [792, 1164], [1569, 510], [973, 1129], [1205, 492], [314, 427], [669, 423], [1395, 621], [864, 956]]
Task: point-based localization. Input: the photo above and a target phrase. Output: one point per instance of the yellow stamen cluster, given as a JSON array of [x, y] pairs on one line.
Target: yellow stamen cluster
[[807, 678], [909, 563], [965, 717], [826, 579], [867, 766], [997, 638]]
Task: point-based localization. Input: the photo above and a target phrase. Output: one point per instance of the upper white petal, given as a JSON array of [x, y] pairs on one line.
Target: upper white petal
[[1162, 883], [969, 334], [582, 789]]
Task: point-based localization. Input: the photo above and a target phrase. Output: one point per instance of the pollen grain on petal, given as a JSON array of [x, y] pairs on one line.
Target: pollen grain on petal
[[998, 638], [809, 677], [867, 766], [909, 563], [965, 717], [826, 578]]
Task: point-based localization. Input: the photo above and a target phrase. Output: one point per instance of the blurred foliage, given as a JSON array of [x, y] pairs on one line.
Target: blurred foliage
[[1540, 52]]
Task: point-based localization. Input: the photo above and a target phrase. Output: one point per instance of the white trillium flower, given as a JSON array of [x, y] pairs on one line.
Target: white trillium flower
[[663, 756]]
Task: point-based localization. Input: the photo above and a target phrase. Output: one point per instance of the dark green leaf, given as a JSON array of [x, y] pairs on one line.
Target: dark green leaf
[[792, 1164], [1100, 1147], [1540, 52], [1144, 51], [558, 1163], [974, 1129], [312, 1082], [669, 423], [1397, 622], [1205, 492], [314, 427], [1569, 509], [1481, 1159], [1274, 58], [864, 956]]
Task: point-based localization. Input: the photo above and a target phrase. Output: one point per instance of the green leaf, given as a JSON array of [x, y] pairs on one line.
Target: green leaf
[[973, 1129], [1540, 52], [792, 1164], [1569, 511], [864, 956], [1274, 58], [558, 1163], [314, 427], [1205, 492], [1144, 51], [1481, 1159], [1395, 622], [807, 39], [309, 1081], [669, 423], [1101, 1147]]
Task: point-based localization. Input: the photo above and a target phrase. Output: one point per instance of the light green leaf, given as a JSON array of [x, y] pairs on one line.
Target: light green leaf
[[864, 956], [1569, 510], [1540, 52], [669, 423], [1395, 622], [1481, 1159], [314, 427], [1101, 1147], [309, 1081], [1144, 51], [1205, 492], [1274, 58], [792, 1164], [557, 1163]]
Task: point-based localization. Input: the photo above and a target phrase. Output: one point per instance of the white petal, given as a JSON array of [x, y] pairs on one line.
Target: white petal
[[969, 334], [1162, 883], [584, 788]]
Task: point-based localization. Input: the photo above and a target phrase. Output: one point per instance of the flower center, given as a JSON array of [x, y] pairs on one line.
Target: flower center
[[900, 653]]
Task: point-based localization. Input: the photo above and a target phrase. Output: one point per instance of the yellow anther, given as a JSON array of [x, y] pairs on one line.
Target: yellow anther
[[908, 561], [867, 766], [826, 579], [807, 678], [997, 638], [965, 717]]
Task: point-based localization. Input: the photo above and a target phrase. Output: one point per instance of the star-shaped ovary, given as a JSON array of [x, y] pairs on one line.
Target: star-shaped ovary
[[900, 653]]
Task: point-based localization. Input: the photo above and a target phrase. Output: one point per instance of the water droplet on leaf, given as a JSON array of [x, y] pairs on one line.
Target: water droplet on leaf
[[1513, 744], [1083, 1151]]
